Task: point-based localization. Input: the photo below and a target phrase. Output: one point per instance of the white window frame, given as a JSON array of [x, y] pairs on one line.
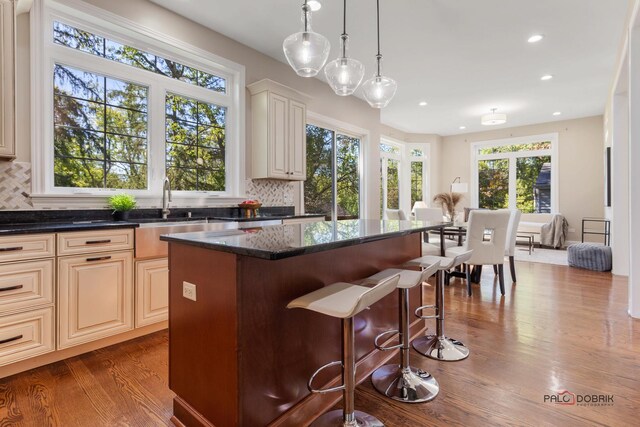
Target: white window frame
[[552, 152], [342, 128], [45, 54], [404, 170]]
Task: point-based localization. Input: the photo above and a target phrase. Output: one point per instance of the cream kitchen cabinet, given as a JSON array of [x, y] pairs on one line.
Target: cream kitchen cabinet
[[152, 291], [26, 296], [7, 78], [95, 285], [279, 143]]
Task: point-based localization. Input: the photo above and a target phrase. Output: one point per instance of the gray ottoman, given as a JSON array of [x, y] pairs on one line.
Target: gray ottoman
[[589, 256]]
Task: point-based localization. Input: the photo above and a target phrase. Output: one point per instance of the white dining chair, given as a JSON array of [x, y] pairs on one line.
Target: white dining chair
[[512, 234], [487, 237], [395, 214]]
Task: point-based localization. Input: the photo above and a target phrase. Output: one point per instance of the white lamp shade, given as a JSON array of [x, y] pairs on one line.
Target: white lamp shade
[[460, 187], [493, 119]]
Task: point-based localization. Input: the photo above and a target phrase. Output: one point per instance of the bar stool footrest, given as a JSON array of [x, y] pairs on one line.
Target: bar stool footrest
[[380, 347], [325, 390], [420, 309]]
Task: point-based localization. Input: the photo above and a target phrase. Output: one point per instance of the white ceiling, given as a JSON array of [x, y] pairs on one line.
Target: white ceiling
[[463, 57]]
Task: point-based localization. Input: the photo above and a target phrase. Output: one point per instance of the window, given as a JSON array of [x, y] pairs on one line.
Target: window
[[332, 187], [122, 110], [403, 175], [517, 173], [100, 131]]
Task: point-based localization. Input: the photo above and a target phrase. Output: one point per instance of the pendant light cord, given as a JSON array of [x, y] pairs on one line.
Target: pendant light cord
[[305, 9], [344, 35], [378, 56]]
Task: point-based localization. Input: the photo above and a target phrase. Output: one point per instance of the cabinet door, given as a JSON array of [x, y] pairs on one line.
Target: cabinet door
[[152, 291], [278, 136], [7, 79], [297, 141], [95, 297]]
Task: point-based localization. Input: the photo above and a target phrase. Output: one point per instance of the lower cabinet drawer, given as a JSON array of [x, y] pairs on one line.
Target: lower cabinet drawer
[[25, 335], [26, 285]]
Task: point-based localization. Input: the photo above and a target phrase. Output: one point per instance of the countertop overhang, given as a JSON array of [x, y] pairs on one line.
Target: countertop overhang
[[284, 241], [55, 227]]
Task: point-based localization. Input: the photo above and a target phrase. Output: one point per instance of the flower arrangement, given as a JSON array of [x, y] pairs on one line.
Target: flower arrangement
[[448, 202]]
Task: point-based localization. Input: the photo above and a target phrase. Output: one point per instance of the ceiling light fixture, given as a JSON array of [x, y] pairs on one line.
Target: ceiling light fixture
[[462, 127], [379, 90], [422, 103], [535, 38], [315, 5], [557, 113], [344, 74], [306, 51], [493, 118], [546, 77]]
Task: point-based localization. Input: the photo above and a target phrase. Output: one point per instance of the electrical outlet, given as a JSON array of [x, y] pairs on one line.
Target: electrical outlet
[[189, 291]]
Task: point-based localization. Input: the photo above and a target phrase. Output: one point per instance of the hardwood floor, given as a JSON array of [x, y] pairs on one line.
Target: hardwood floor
[[558, 329]]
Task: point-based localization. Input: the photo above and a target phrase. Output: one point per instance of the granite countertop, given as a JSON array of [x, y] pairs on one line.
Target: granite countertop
[[283, 241], [54, 227], [266, 217]]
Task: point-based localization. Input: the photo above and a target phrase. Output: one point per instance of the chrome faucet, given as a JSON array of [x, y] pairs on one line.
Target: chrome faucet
[[166, 191]]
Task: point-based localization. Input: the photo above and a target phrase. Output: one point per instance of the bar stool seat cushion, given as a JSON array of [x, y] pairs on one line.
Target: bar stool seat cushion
[[445, 262], [408, 278], [343, 300]]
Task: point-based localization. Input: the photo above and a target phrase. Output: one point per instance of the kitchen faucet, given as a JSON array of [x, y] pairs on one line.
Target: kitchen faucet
[[166, 190]]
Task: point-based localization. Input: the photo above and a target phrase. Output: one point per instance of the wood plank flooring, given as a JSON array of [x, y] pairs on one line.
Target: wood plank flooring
[[558, 329]]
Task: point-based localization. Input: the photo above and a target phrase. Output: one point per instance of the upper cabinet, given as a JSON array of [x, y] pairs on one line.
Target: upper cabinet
[[7, 78], [279, 143]]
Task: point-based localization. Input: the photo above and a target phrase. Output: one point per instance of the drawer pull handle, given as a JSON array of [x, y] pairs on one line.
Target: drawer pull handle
[[14, 248], [10, 339], [97, 242], [99, 258], [11, 288]]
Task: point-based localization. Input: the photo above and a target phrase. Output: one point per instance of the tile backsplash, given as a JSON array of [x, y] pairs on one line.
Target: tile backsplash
[[271, 192], [15, 185]]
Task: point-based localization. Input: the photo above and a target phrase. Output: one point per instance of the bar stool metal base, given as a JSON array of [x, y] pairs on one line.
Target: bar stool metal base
[[441, 348], [405, 385], [336, 419]]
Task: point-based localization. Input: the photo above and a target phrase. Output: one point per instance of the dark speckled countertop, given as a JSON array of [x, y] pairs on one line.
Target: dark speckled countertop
[[283, 241], [55, 227]]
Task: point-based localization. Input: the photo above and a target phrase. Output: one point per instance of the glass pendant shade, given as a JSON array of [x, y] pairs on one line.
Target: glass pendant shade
[[379, 90], [493, 118], [306, 51], [344, 74]]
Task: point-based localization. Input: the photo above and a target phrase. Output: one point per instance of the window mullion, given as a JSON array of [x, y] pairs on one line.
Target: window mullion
[[334, 173], [156, 138], [512, 181]]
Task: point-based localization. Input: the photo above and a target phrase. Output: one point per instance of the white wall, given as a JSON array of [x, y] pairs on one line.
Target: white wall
[[580, 164]]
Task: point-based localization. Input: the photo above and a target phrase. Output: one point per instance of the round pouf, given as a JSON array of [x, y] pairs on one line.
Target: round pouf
[[589, 256]]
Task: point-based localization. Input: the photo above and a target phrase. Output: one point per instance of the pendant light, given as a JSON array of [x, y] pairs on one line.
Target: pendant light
[[379, 90], [306, 51], [493, 118], [344, 74]]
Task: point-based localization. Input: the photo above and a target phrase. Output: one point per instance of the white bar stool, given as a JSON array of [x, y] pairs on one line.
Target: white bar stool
[[344, 301], [439, 346], [403, 382]]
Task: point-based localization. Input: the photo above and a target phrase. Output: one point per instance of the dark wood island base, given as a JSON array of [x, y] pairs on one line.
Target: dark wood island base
[[239, 357]]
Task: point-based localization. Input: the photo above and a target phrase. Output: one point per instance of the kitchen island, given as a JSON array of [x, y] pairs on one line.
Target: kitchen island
[[237, 355]]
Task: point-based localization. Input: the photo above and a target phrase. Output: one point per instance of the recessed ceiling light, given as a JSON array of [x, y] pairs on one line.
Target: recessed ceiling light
[[422, 103], [463, 127], [315, 5], [535, 38], [557, 113], [546, 77]]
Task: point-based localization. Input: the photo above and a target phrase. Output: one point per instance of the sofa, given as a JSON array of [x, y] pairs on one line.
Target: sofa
[[533, 222]]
